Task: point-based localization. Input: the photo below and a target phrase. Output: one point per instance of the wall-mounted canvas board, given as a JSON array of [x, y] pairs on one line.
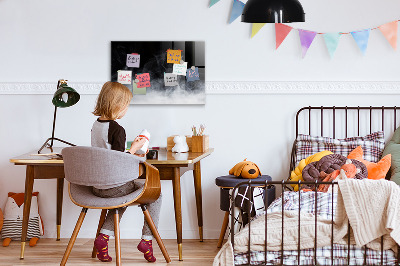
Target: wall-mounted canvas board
[[162, 71]]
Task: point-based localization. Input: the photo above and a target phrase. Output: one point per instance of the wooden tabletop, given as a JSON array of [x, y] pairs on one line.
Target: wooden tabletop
[[164, 157], [44, 158], [168, 157]]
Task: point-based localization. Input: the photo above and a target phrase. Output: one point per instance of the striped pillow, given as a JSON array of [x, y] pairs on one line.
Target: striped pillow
[[372, 145]]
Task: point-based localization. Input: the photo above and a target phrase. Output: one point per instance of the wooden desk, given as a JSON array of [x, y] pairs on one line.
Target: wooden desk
[[171, 167], [40, 167]]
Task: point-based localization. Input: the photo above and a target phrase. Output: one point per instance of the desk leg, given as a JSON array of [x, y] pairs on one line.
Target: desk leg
[[60, 190], [199, 204], [27, 206], [176, 182]]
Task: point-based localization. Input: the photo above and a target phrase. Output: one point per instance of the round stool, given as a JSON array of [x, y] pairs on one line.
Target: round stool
[[226, 183]]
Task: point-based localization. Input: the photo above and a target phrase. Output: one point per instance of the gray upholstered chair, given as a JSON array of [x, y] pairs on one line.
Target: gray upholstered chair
[[85, 167]]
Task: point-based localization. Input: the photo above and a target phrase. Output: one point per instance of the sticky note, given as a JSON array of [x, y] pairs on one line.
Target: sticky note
[[133, 60], [136, 90], [124, 76], [174, 56], [180, 69], [170, 79], [192, 75], [144, 80]]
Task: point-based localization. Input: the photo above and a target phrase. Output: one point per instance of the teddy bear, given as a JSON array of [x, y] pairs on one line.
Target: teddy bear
[[13, 215], [245, 169], [180, 144]]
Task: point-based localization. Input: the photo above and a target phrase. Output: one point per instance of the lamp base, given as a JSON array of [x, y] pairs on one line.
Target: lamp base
[[50, 146]]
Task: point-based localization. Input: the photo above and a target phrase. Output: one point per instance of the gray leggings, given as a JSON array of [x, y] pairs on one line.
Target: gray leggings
[[154, 208]]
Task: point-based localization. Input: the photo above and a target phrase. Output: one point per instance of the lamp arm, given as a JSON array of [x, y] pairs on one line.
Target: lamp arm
[[55, 115], [54, 126]]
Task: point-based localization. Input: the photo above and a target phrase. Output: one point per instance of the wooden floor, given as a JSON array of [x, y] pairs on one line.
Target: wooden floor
[[50, 252]]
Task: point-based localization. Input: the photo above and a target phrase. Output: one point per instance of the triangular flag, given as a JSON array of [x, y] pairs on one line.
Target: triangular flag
[[237, 9], [256, 28], [306, 39], [332, 41], [281, 31], [213, 2], [361, 37], [390, 32]]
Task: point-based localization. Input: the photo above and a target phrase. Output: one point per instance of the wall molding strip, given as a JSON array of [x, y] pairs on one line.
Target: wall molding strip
[[231, 87]]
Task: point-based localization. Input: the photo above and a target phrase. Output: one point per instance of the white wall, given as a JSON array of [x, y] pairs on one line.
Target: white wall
[[42, 41]]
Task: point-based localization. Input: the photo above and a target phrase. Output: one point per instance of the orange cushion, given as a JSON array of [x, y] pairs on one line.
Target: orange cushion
[[375, 170]]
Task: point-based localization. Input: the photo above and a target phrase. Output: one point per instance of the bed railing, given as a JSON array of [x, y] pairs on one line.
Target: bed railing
[[346, 109], [342, 118], [265, 185]]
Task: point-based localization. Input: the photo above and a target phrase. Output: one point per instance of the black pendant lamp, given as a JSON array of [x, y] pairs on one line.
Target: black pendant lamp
[[273, 11]]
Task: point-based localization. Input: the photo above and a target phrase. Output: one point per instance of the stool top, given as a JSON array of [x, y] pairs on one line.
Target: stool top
[[230, 181]]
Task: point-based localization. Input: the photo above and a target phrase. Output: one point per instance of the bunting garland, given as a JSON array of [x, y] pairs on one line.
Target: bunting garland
[[332, 41], [256, 27], [213, 2], [389, 30], [361, 37], [281, 31], [237, 9], [306, 39]]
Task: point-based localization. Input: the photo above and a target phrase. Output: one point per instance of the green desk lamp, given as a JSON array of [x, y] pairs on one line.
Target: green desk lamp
[[65, 96]]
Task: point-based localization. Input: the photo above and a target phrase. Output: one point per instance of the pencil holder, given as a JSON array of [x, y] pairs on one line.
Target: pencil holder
[[200, 143]]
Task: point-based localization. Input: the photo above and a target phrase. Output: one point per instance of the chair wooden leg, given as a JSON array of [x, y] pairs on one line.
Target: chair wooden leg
[[73, 237], [101, 222], [223, 229], [117, 238], [154, 230]]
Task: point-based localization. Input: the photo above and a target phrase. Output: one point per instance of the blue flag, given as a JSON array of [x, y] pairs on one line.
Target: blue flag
[[361, 38], [237, 9]]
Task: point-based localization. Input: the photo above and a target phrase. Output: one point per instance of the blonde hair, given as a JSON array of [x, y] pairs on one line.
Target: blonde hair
[[112, 99]]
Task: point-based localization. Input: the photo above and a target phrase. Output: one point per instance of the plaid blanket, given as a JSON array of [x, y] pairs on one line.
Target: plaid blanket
[[324, 257], [323, 205], [306, 201]]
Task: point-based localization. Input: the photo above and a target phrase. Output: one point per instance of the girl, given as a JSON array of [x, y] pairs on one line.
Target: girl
[[112, 104]]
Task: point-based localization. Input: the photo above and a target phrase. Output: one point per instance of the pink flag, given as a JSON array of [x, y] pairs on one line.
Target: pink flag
[[389, 30], [306, 39], [281, 31]]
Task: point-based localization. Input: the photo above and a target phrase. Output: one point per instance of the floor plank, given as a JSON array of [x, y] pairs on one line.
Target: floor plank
[[50, 252]]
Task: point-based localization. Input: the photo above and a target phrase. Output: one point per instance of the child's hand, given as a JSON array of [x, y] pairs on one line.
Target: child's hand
[[143, 155], [137, 144]]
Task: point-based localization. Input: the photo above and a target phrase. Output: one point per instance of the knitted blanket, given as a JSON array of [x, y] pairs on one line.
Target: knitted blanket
[[274, 235], [371, 207]]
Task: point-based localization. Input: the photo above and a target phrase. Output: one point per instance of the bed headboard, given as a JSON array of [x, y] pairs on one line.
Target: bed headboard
[[347, 116], [344, 121]]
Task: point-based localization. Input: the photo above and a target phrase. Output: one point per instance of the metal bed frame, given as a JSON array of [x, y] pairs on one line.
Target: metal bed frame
[[283, 184]]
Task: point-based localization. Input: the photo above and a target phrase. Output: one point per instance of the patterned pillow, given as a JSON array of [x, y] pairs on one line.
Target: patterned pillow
[[372, 144]]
